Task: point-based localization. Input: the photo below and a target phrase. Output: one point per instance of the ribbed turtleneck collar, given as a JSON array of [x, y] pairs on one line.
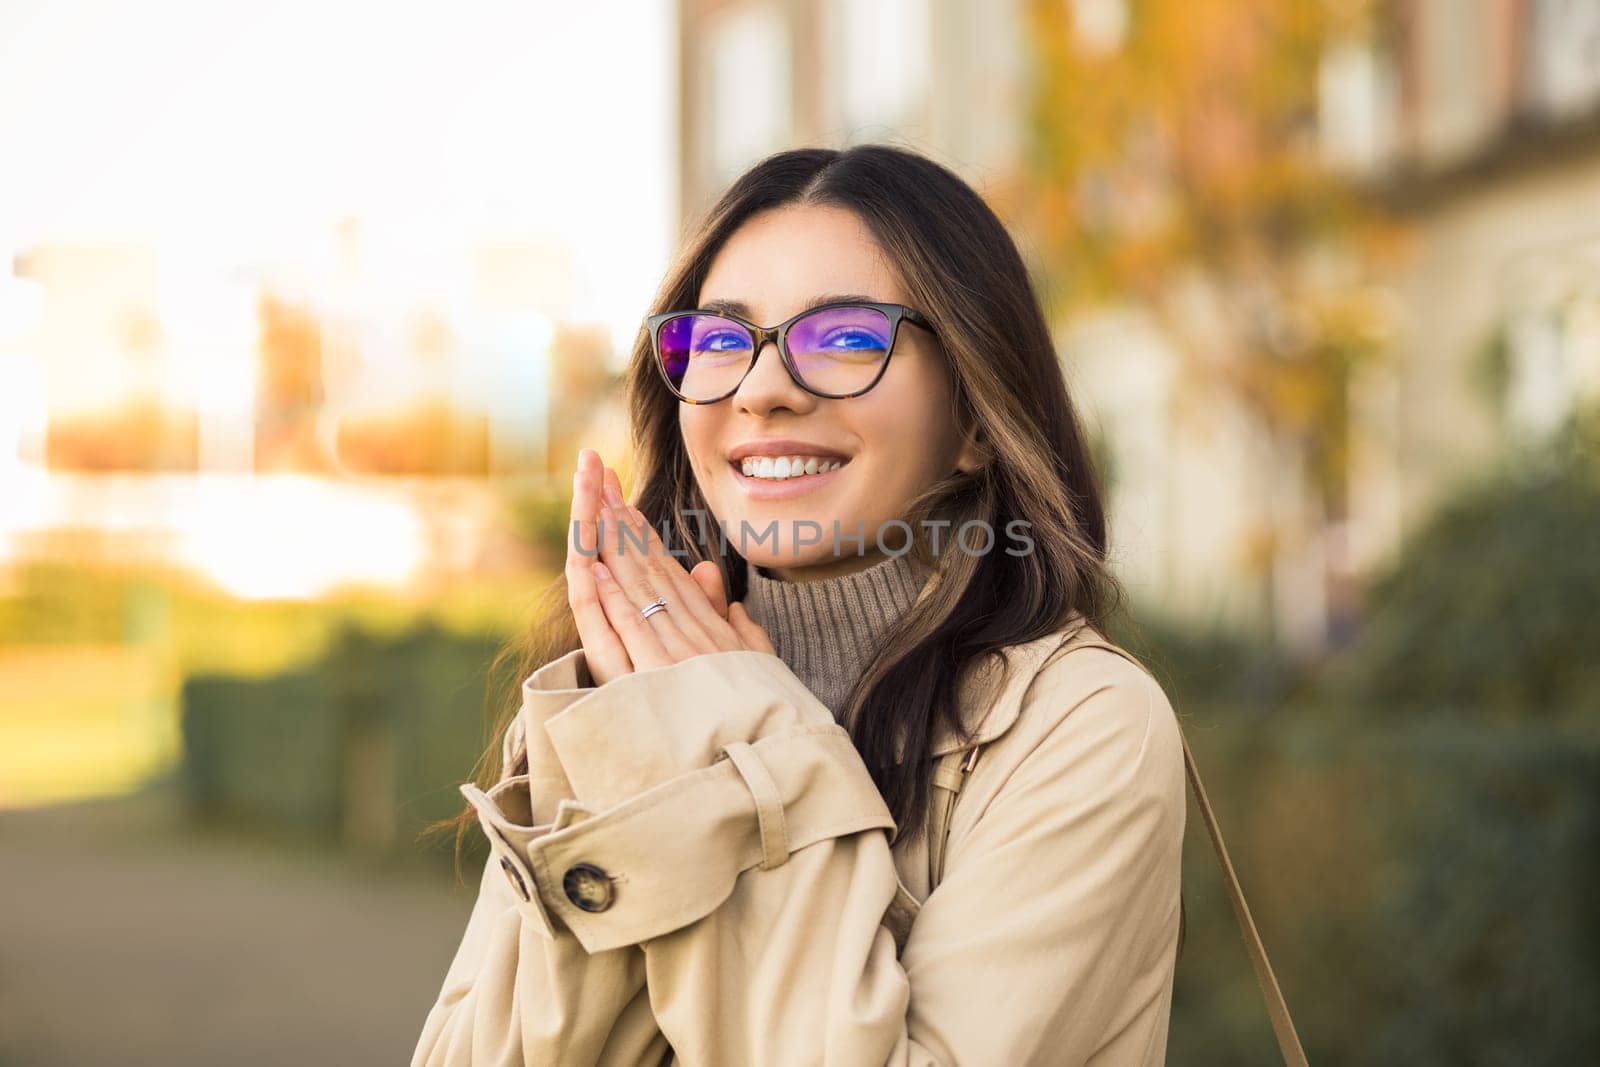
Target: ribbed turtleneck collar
[[827, 630]]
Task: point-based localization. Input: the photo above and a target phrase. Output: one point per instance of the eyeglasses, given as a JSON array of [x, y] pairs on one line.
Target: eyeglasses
[[833, 351]]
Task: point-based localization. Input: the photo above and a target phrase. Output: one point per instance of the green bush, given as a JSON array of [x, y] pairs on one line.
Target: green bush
[[1216, 667], [1487, 899], [265, 751], [541, 515], [1491, 605], [367, 745], [1425, 891]]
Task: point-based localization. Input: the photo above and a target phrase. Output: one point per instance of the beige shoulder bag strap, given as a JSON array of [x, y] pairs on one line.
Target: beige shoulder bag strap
[[951, 770]]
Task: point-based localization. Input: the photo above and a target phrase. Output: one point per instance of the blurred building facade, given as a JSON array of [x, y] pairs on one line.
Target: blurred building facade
[[355, 415], [759, 75], [1479, 123], [112, 390]]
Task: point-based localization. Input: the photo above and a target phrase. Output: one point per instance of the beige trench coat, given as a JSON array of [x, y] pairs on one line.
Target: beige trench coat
[[696, 869]]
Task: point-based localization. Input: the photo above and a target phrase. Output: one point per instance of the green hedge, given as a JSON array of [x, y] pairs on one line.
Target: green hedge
[[367, 746], [266, 750], [1426, 889], [1491, 606]]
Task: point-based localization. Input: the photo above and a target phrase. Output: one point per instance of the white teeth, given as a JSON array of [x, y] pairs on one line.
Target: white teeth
[[778, 468]]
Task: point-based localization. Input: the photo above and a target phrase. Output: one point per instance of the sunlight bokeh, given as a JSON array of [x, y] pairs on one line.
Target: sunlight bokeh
[[288, 290]]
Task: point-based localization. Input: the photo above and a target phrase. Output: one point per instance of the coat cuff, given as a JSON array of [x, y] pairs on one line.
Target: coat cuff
[[682, 777], [519, 809], [567, 676], [642, 729], [545, 794], [505, 816], [672, 854]]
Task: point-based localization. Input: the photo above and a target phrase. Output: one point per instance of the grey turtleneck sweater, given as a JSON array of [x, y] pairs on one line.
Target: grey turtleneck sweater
[[827, 629]]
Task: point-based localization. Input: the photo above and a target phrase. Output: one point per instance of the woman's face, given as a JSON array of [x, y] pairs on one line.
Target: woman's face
[[895, 440]]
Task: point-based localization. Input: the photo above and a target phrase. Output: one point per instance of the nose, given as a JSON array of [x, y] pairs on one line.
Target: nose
[[768, 386]]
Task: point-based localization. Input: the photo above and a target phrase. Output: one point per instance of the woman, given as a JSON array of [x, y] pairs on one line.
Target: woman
[[710, 830]]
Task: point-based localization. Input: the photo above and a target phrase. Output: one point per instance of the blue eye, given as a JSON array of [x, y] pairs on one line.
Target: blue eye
[[856, 340], [722, 341]]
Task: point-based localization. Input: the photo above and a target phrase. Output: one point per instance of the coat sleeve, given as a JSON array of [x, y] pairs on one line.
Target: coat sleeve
[[752, 863], [521, 989]]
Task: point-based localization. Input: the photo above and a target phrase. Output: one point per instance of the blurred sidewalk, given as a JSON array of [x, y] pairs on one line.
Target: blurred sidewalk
[[126, 938]]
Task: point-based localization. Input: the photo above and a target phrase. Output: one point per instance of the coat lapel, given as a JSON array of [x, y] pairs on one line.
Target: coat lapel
[[991, 691]]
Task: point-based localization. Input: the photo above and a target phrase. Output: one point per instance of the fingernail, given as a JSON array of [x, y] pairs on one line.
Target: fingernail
[[613, 497], [601, 571]]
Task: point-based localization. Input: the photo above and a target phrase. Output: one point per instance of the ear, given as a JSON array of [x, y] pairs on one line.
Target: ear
[[973, 454]]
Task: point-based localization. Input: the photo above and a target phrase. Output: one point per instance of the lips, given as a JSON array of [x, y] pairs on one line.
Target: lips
[[783, 446]]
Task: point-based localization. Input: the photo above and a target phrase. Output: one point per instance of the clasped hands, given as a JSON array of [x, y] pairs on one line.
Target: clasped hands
[[608, 590]]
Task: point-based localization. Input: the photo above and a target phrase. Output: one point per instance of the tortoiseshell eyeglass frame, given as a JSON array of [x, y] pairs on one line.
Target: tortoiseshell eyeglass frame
[[779, 334]]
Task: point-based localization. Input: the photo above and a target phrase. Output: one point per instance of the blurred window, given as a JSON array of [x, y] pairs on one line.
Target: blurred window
[[876, 53], [746, 86]]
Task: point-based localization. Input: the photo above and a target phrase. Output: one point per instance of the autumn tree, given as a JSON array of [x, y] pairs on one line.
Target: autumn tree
[[289, 392], [1173, 160]]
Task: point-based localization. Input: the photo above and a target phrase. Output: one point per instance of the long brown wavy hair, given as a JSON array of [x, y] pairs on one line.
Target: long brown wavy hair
[[960, 267]]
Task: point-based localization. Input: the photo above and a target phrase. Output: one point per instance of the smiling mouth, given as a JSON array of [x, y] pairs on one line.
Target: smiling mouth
[[784, 468]]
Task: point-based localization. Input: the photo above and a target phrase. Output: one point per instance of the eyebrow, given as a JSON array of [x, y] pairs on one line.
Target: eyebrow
[[739, 307]]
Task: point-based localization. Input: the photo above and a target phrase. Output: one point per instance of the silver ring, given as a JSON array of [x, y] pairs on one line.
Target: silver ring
[[658, 604]]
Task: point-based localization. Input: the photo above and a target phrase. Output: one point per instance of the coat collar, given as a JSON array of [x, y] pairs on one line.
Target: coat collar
[[991, 691]]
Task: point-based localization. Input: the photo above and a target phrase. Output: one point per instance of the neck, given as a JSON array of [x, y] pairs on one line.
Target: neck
[[834, 568], [828, 626]]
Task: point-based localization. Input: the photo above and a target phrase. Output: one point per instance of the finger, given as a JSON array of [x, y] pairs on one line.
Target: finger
[[701, 591], [702, 624], [708, 576], [750, 631], [642, 640], [648, 539], [703, 588], [604, 651], [611, 489], [651, 570], [642, 580], [708, 610]]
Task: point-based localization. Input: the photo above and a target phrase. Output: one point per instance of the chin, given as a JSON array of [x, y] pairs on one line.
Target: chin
[[797, 516], [809, 556]]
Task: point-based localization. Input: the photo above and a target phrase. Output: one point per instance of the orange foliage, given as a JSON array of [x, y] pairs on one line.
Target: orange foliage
[[1188, 149], [428, 438], [141, 435]]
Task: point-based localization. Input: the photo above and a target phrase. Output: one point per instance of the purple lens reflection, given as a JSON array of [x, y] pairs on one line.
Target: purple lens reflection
[[840, 350], [704, 355]]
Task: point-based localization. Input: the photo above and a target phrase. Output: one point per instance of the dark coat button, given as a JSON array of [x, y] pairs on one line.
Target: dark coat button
[[514, 877], [588, 887]]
